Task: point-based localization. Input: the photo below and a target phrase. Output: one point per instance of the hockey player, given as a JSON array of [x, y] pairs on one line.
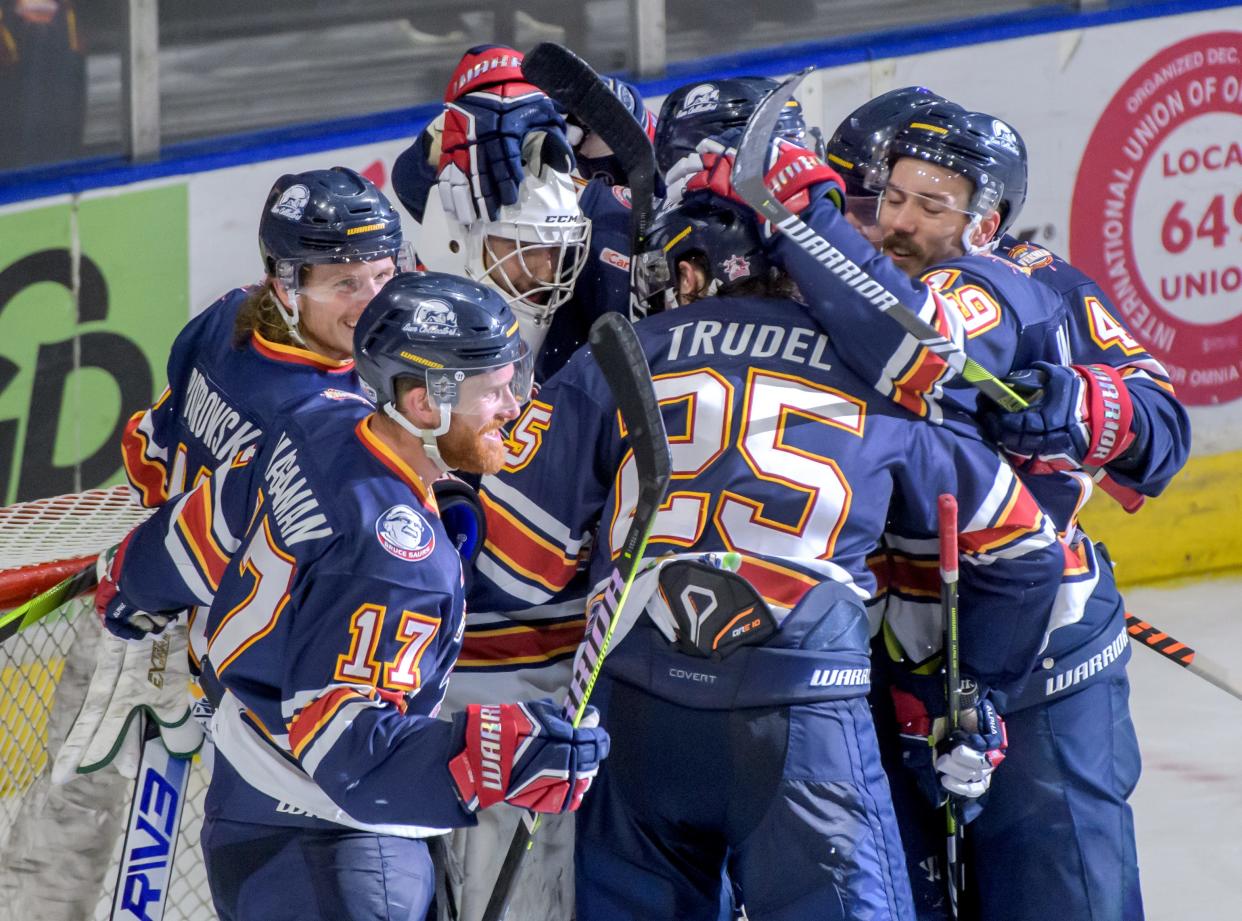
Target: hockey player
[[336, 614], [496, 165], [735, 688], [328, 240], [930, 219]]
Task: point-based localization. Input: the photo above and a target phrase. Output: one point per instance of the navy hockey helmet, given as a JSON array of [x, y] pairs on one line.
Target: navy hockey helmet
[[438, 329], [719, 236], [857, 149], [326, 215], [984, 149], [702, 110]]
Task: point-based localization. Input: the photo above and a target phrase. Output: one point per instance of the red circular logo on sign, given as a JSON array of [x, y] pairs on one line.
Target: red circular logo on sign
[[1156, 217]]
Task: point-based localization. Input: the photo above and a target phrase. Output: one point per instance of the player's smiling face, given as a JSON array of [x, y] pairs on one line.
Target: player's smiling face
[[333, 297], [922, 215], [475, 441]]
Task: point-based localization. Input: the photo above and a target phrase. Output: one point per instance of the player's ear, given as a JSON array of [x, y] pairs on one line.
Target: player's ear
[[691, 281], [415, 404], [986, 229]]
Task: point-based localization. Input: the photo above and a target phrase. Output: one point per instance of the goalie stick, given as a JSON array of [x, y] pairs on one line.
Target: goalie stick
[[615, 347], [749, 168], [571, 81]]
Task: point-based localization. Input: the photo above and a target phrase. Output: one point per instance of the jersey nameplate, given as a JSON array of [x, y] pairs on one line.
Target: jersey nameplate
[[213, 421], [294, 507]]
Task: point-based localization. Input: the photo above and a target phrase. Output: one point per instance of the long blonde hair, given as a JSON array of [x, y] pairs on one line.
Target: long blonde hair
[[260, 313]]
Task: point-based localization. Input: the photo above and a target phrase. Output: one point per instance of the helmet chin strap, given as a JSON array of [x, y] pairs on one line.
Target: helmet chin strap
[[977, 249], [428, 439], [291, 315]]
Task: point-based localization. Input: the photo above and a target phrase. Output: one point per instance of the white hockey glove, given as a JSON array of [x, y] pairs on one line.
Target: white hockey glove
[[131, 676]]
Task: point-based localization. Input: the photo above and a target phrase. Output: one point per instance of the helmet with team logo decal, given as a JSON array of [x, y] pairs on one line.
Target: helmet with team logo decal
[[715, 234], [325, 216], [709, 110], [438, 330], [981, 147]]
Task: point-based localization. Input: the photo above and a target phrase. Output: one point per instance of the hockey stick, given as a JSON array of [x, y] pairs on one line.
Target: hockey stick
[[150, 842], [570, 81], [946, 514], [1157, 640], [47, 602], [615, 347]]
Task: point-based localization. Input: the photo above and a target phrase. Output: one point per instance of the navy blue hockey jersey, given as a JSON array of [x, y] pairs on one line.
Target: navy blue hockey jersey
[[220, 397], [779, 453], [336, 613]]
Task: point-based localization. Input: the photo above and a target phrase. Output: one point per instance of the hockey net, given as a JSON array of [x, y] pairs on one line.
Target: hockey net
[[60, 846]]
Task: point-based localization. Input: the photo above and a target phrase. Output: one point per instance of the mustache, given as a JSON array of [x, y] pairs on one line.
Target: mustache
[[904, 241]]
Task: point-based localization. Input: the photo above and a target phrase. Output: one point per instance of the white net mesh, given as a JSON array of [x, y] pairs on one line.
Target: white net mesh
[[60, 845]]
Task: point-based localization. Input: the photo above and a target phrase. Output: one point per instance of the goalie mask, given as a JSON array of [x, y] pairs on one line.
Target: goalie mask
[[453, 336], [321, 217], [532, 253]]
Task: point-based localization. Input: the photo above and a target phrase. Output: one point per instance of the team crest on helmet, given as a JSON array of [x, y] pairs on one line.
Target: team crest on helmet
[[433, 316], [405, 533], [1005, 135], [735, 267], [703, 98], [292, 202]]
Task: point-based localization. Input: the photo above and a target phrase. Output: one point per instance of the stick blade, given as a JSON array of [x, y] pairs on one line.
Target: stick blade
[[750, 163]]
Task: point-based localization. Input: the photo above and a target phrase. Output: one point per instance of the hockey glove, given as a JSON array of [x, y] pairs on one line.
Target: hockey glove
[[121, 618], [526, 754], [1077, 415], [794, 175], [492, 116], [131, 676], [961, 763]]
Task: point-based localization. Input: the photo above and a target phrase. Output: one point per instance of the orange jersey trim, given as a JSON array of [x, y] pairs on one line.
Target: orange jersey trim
[[292, 354]]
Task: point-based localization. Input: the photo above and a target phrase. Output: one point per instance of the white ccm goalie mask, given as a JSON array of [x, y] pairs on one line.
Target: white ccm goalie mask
[[532, 253]]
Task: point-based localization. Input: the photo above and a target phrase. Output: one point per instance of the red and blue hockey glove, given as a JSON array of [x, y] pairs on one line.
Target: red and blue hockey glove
[[120, 618], [527, 755], [496, 129], [1077, 415], [794, 175]]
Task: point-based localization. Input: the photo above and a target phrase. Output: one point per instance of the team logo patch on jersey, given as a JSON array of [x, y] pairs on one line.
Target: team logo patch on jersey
[[340, 395], [292, 202], [1030, 257], [736, 267], [703, 98], [615, 259], [622, 194], [433, 316], [405, 533]]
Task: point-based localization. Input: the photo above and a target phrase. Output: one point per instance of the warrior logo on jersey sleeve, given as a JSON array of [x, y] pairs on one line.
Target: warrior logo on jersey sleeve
[[433, 316], [405, 534], [292, 203]]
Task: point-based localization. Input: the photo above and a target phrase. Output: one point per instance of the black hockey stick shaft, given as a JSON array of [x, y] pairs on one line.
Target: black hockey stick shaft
[[574, 84], [47, 602], [946, 509], [1187, 657], [615, 347]]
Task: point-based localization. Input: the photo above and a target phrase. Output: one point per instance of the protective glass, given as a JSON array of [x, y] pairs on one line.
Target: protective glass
[[484, 391], [289, 271]]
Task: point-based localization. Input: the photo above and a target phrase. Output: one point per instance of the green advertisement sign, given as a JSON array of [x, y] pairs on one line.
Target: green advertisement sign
[[92, 294]]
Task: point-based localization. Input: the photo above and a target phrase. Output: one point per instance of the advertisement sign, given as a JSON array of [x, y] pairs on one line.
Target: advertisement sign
[[92, 294], [1156, 215]]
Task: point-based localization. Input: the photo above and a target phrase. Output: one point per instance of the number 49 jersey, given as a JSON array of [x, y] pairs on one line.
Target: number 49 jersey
[[779, 453], [336, 614]]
